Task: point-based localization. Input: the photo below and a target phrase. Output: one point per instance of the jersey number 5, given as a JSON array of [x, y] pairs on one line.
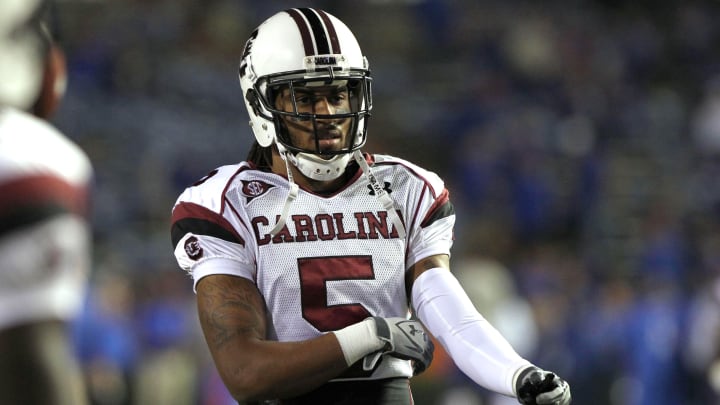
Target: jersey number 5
[[315, 272]]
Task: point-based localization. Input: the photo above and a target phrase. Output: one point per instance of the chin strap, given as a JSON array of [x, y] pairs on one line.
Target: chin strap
[[292, 195], [380, 193]]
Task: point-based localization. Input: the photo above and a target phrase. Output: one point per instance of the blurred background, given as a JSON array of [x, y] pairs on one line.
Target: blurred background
[[580, 141]]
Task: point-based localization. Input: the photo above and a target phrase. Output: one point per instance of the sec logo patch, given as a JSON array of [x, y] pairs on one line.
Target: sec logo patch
[[255, 188]]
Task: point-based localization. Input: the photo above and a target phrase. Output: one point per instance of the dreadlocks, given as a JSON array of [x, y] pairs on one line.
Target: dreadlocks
[[260, 156]]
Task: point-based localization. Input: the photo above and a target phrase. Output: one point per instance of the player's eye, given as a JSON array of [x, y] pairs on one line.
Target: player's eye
[[303, 99], [339, 98]]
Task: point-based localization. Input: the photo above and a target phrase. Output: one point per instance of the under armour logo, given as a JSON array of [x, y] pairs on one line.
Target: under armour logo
[[386, 187], [413, 330]]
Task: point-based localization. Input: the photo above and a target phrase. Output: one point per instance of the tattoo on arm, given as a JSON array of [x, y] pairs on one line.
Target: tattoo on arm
[[230, 308]]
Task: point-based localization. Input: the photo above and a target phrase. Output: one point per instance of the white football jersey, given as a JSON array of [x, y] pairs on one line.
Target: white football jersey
[[337, 260], [44, 232]]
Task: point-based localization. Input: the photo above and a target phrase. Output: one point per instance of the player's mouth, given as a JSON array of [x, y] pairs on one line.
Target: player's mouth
[[328, 143], [329, 138]]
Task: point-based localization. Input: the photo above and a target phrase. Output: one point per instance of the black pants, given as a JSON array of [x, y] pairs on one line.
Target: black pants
[[395, 391]]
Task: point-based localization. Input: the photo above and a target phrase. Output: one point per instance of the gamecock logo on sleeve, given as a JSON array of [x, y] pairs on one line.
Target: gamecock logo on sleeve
[[193, 249]]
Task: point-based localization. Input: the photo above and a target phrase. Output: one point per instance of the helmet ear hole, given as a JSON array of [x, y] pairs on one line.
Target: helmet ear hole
[[252, 98], [262, 128]]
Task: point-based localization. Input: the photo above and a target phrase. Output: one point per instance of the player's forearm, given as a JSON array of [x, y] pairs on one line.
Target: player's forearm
[[268, 369], [233, 319]]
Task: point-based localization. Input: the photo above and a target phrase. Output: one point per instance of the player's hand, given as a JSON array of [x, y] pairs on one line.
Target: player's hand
[[539, 387], [405, 339]]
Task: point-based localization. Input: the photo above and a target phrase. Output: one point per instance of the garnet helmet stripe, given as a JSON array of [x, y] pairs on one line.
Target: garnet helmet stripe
[[331, 31], [321, 41], [317, 31], [304, 31]]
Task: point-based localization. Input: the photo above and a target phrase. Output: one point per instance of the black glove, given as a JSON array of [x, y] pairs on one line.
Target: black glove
[[405, 339], [538, 387]]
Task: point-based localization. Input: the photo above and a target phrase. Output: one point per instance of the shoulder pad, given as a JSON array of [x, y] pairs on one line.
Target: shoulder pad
[[210, 189]]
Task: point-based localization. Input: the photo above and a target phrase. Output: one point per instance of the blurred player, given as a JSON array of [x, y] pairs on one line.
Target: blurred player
[[44, 235], [308, 257]]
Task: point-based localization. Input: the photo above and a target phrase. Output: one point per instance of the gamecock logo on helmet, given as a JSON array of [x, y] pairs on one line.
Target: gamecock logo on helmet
[[193, 249]]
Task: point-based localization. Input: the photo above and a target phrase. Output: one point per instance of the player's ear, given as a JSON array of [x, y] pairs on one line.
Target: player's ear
[[54, 80]]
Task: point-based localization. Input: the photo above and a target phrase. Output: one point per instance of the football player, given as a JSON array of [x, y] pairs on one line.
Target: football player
[[44, 235], [318, 267]]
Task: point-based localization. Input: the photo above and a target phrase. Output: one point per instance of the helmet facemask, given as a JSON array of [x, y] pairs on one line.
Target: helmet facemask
[[320, 118], [321, 107]]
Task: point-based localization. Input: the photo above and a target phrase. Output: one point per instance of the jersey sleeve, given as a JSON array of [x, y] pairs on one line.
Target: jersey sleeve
[[208, 236], [434, 234], [431, 216]]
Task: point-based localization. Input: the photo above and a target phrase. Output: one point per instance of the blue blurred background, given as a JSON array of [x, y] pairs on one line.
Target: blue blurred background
[[580, 141]]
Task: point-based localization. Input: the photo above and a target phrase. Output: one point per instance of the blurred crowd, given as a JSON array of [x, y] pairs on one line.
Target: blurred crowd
[[580, 141]]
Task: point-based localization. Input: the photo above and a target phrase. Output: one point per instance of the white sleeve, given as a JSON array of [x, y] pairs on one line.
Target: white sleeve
[[476, 347], [202, 255]]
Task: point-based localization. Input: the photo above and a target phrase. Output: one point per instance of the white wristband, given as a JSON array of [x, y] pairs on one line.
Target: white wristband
[[358, 340]]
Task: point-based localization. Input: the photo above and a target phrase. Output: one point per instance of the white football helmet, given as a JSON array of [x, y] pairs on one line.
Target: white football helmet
[[305, 47], [21, 53]]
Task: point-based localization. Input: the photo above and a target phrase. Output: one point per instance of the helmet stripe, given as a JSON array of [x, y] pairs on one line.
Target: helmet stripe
[[304, 31], [317, 31], [331, 31]]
